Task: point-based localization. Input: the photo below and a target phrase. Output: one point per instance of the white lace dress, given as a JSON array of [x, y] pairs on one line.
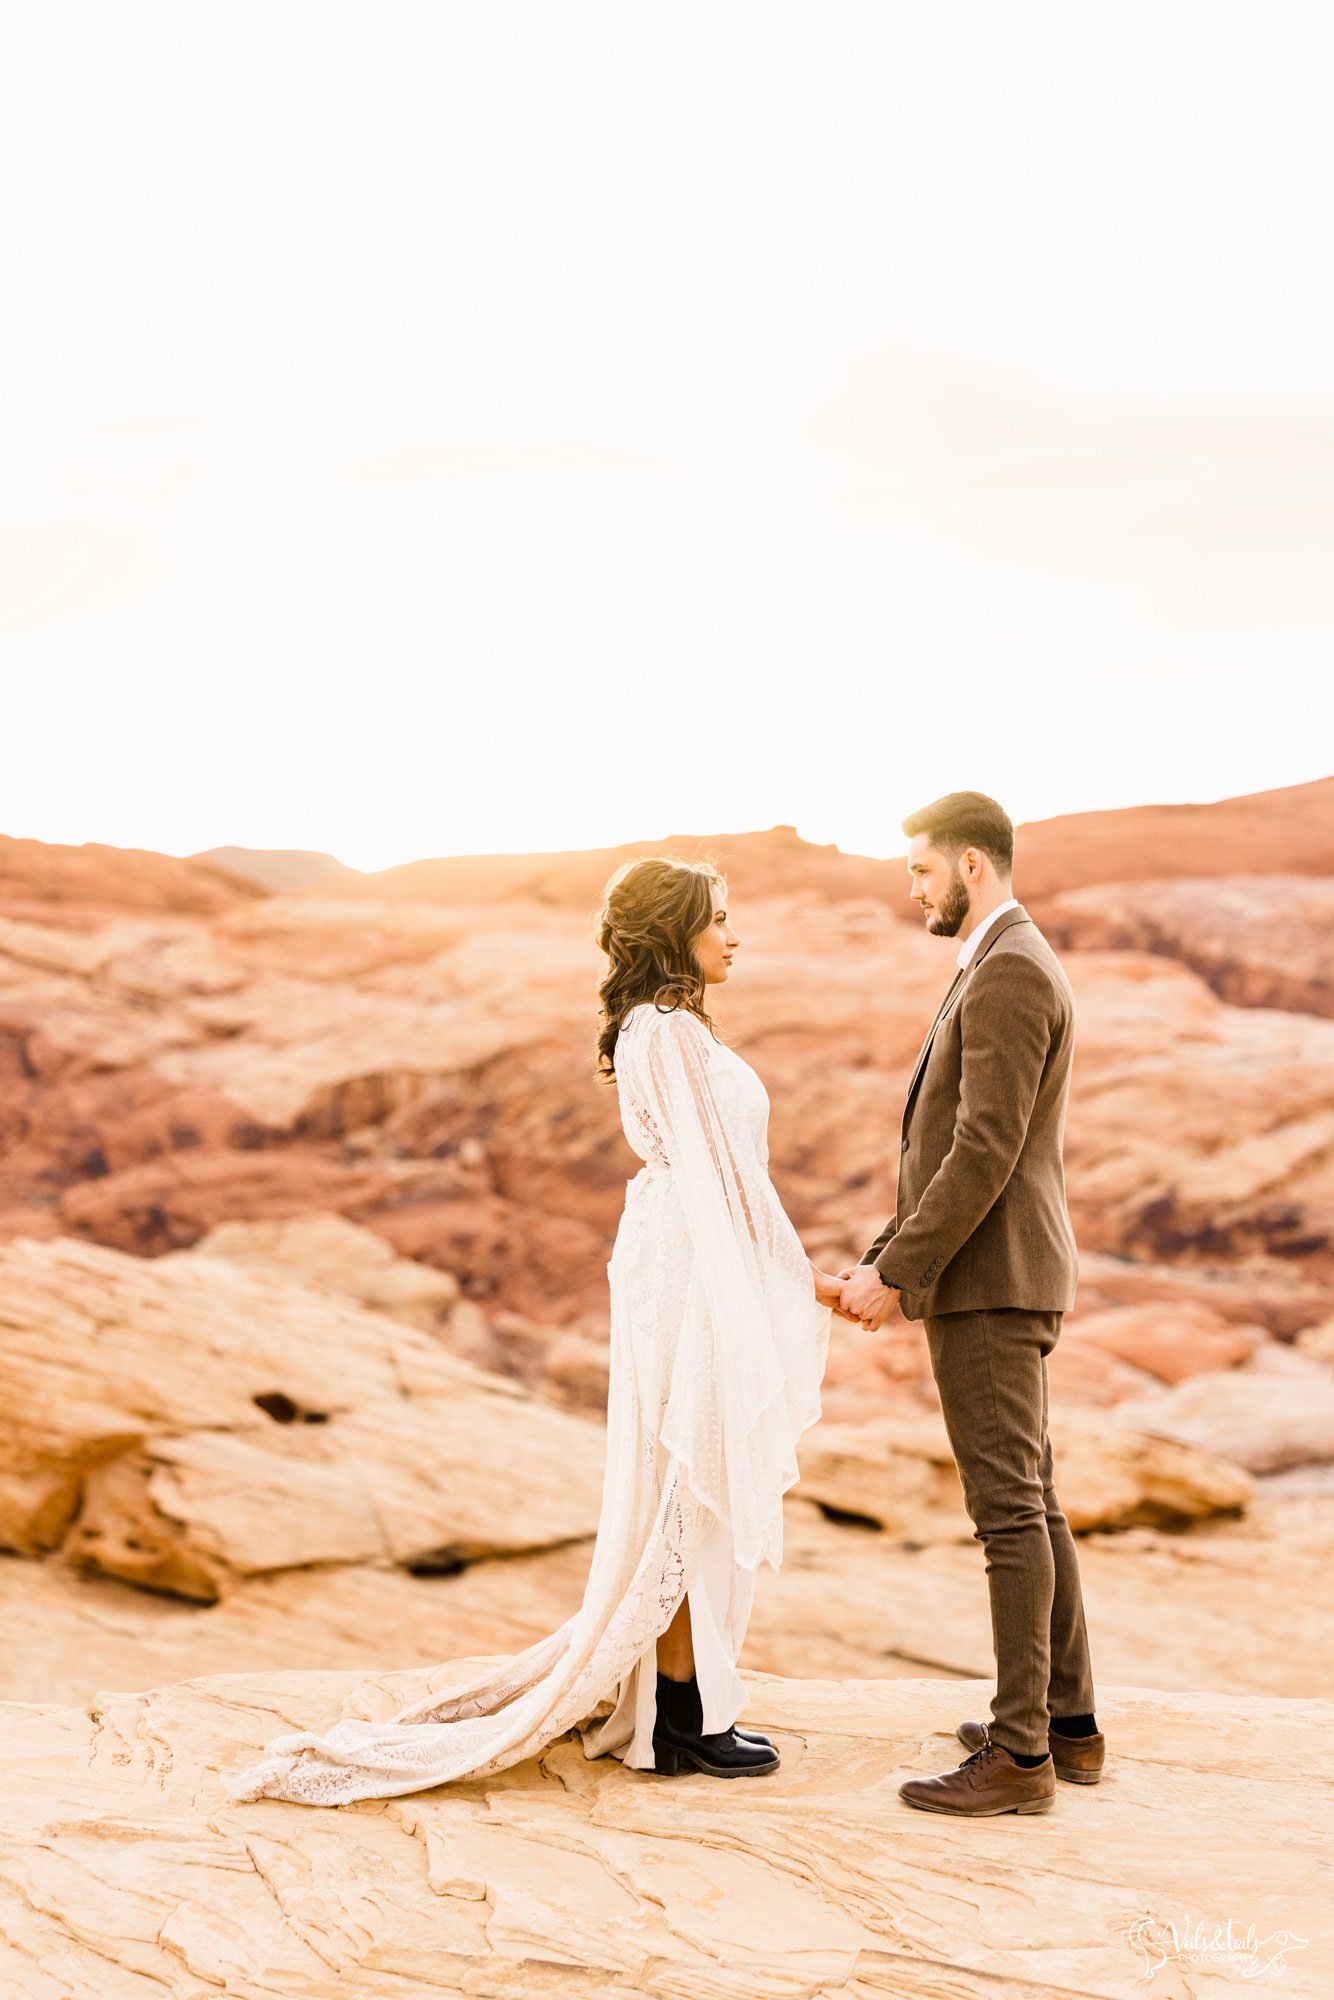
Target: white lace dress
[[718, 1349]]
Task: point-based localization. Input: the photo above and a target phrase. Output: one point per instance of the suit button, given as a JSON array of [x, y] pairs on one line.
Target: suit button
[[905, 1145]]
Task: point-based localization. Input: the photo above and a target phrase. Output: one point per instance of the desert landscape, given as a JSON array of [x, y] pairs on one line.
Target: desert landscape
[[307, 1191]]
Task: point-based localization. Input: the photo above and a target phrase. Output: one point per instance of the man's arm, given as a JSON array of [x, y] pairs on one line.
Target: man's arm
[[1006, 1019], [872, 1255]]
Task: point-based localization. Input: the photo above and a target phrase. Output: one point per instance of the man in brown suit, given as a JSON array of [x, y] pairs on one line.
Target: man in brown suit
[[981, 1250]]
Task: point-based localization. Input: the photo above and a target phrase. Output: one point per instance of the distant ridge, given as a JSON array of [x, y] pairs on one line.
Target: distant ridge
[[79, 887], [284, 870], [1285, 832], [1289, 831]]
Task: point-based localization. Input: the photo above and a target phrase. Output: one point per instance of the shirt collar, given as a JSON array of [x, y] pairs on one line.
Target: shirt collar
[[974, 938]]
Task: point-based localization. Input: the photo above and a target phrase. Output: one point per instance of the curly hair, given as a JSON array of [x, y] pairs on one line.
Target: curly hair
[[652, 912]]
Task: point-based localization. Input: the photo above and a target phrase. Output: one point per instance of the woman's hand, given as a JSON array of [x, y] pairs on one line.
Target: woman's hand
[[828, 1290]]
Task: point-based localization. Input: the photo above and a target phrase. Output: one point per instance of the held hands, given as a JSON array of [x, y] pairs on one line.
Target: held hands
[[829, 1292], [865, 1296]]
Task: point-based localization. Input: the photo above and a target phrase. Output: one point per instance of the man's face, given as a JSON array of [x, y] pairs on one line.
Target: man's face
[[938, 887]]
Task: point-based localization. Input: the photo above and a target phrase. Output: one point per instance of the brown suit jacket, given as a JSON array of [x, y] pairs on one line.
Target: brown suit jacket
[[981, 1220]]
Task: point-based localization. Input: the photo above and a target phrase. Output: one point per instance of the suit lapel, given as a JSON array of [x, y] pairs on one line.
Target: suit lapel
[[954, 993], [941, 1011]]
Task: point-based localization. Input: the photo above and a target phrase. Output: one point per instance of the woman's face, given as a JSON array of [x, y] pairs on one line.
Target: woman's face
[[716, 943]]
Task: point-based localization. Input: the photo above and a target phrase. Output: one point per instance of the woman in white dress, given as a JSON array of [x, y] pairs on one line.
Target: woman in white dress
[[719, 1335]]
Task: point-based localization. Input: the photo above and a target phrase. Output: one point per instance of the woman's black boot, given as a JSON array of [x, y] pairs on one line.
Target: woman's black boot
[[678, 1741], [746, 1735]]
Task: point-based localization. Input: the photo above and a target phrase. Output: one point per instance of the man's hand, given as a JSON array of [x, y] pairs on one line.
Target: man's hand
[[866, 1296]]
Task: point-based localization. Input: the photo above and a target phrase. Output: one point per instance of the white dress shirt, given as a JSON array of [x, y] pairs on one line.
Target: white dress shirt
[[974, 937]]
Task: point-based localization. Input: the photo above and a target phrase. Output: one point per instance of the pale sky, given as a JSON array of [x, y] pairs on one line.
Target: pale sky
[[443, 428]]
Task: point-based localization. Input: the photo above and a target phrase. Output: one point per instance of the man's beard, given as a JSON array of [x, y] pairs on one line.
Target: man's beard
[[951, 909]]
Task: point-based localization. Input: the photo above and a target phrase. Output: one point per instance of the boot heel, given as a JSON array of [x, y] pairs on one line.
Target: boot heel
[[665, 1760], [1038, 1805]]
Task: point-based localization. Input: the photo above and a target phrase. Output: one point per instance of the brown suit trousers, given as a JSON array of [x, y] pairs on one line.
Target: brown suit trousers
[[982, 1252], [991, 1371]]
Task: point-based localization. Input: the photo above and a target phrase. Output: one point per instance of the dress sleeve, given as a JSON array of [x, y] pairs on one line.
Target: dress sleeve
[[719, 1176], [752, 1348]]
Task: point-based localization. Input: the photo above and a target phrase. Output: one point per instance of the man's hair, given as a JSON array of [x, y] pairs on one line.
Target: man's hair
[[966, 819]]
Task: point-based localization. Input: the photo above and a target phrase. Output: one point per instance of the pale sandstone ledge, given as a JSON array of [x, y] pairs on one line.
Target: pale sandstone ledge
[[124, 1875]]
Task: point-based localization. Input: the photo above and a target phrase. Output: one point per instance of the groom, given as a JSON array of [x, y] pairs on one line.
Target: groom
[[981, 1250]]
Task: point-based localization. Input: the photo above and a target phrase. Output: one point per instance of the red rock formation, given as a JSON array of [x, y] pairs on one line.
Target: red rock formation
[[426, 1068], [78, 887], [1285, 832], [1259, 940]]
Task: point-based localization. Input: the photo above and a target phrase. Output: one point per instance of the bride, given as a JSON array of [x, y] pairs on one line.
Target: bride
[[719, 1335]]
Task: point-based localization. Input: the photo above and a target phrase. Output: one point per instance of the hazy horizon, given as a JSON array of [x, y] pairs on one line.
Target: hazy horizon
[[483, 431], [706, 833]]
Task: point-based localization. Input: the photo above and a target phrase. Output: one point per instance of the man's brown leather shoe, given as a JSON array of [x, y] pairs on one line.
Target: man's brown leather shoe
[[987, 1782], [1078, 1759]]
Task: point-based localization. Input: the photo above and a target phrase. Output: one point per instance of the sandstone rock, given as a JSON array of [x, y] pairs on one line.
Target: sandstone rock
[[1101, 1359], [71, 1631], [1164, 1605], [123, 1871], [885, 1373], [50, 948], [1284, 1301], [327, 1059], [44, 881], [1199, 1133], [1081, 1371], [1289, 831], [896, 1472], [280, 870], [1169, 1341], [1223, 1603], [335, 1255], [1318, 1341], [1108, 1478], [576, 1371], [1259, 940], [183, 1422], [171, 1202], [1277, 1411], [321, 937], [901, 1475], [313, 1043], [497, 1249]]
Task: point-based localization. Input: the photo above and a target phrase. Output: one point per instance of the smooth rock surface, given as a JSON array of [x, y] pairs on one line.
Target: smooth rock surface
[[183, 1422], [901, 1474], [1169, 1340], [335, 1255], [1275, 1412], [1226, 1605], [123, 1874]]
